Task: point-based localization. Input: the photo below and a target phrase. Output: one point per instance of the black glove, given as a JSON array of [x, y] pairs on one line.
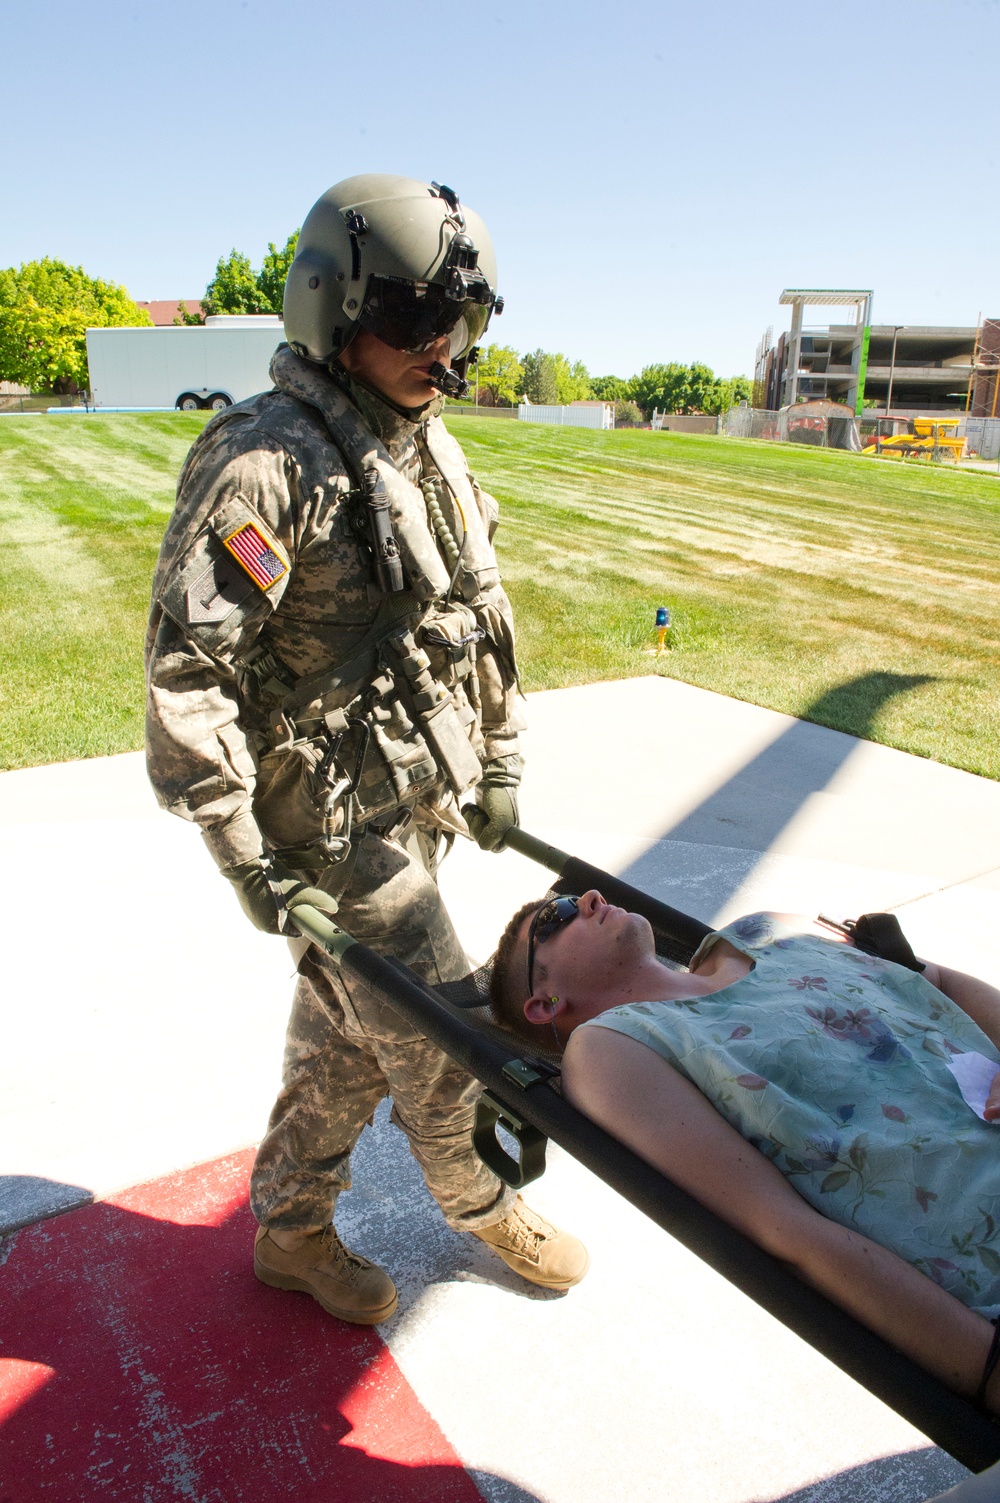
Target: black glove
[[880, 934], [496, 803], [270, 892]]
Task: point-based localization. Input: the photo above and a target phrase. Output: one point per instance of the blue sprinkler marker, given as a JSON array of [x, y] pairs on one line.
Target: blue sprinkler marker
[[662, 626]]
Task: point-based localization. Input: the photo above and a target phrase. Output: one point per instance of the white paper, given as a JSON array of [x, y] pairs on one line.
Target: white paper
[[974, 1075]]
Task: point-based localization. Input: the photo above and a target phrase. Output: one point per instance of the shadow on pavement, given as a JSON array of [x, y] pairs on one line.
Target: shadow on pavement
[[750, 810], [142, 1359], [25, 1198], [906, 1477]]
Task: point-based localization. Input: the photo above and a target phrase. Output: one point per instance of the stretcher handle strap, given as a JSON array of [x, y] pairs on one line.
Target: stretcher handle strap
[[679, 934], [518, 1172], [948, 1419]]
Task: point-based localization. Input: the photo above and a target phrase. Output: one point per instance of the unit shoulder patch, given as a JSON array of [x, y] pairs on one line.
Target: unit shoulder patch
[[216, 593]]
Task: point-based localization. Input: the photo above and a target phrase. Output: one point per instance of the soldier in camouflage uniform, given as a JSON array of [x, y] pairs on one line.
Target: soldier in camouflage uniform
[[330, 668]]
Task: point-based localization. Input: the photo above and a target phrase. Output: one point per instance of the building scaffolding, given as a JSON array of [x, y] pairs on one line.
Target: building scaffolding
[[762, 368], [984, 384]]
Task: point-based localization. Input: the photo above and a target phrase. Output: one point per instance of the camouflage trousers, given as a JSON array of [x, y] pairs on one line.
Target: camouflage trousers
[[345, 1049]]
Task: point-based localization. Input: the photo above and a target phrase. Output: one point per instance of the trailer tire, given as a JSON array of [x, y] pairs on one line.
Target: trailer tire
[[218, 401], [188, 402]]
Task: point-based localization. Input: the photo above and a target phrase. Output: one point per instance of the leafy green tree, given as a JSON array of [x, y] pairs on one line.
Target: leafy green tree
[[729, 392], [684, 389], [184, 317], [234, 288], [572, 381], [627, 414], [665, 387], [272, 274], [610, 388], [552, 380], [498, 374], [46, 308], [539, 381], [237, 288], [702, 382]]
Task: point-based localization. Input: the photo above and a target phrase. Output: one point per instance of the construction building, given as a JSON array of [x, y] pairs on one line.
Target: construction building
[[810, 362], [909, 368], [985, 387]]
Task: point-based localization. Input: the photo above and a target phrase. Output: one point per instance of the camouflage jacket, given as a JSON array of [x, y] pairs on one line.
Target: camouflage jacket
[[280, 700]]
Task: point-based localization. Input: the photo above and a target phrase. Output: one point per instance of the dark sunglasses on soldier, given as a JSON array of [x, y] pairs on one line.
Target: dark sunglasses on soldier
[[550, 917]]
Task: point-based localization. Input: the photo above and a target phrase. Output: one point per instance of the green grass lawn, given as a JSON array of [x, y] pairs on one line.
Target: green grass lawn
[[859, 594], [83, 505]]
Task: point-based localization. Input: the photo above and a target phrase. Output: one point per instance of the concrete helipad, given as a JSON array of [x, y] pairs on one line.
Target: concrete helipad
[[143, 1031]]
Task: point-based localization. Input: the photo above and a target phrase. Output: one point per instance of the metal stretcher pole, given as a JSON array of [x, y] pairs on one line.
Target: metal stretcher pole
[[951, 1421], [679, 933]]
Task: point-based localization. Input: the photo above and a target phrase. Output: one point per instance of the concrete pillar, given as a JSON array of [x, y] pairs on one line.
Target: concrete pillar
[[791, 392], [864, 317]]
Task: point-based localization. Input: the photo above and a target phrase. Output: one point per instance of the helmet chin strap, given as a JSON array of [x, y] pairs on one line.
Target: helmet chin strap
[[450, 382]]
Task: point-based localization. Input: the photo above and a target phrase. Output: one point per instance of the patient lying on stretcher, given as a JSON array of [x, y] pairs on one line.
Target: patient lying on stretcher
[[839, 1109]]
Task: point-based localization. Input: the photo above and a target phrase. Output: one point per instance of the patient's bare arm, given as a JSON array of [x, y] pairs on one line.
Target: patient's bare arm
[[633, 1093], [980, 1000]]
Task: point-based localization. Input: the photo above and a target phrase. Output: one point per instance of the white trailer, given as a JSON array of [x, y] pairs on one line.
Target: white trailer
[[214, 364]]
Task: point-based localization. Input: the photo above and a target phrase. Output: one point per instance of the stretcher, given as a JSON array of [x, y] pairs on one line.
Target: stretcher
[[519, 1097]]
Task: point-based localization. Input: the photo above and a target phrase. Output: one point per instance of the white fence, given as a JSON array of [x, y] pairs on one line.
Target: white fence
[[602, 416]]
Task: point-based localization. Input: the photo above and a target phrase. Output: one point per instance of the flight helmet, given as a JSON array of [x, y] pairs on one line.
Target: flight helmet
[[400, 258]]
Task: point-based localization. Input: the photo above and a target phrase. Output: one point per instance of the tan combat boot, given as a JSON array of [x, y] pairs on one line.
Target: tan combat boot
[[536, 1250], [343, 1282]]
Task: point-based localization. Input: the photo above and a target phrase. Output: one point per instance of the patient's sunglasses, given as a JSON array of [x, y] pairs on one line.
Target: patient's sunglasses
[[550, 917]]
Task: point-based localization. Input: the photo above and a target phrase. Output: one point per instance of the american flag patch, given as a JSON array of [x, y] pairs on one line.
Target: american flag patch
[[255, 554]]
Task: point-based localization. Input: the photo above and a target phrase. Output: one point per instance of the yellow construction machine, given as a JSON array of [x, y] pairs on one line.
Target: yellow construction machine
[[926, 438]]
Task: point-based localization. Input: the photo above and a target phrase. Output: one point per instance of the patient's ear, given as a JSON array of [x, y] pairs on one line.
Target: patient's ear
[[543, 1008]]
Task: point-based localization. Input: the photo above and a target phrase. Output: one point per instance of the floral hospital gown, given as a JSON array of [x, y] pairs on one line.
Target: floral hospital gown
[[834, 1064]]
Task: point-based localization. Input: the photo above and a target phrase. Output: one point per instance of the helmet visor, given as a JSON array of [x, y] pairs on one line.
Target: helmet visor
[[414, 315]]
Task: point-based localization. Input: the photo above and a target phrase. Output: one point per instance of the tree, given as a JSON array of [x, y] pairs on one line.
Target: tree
[[273, 272], [627, 414], [498, 374], [572, 381], [539, 381], [237, 288], [234, 287], [702, 382], [685, 388], [729, 393], [551, 379], [665, 387], [610, 388], [46, 308]]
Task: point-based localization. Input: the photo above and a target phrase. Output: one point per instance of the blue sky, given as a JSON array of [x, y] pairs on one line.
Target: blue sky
[[652, 174]]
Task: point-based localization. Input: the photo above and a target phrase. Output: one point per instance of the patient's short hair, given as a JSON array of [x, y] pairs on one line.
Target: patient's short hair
[[509, 984]]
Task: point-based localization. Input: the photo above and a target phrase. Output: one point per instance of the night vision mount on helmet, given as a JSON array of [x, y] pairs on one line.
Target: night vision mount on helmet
[[400, 258]]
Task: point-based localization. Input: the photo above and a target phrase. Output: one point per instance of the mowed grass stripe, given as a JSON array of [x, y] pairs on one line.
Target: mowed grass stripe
[[858, 594], [83, 505]]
